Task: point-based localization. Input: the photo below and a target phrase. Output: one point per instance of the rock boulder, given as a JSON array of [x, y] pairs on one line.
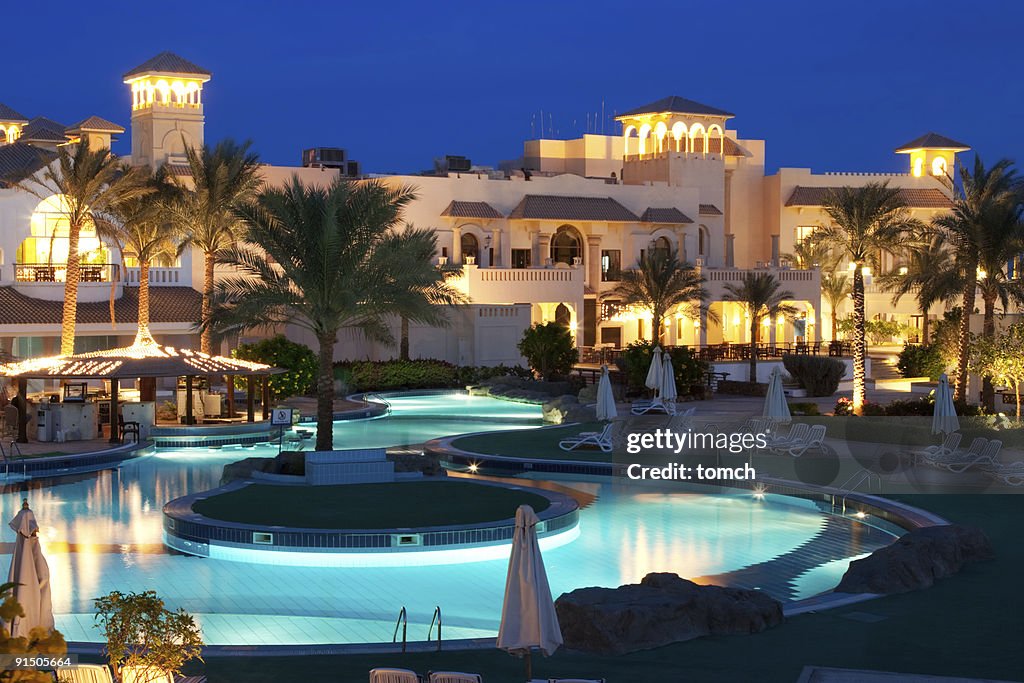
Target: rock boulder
[[916, 560], [661, 609], [568, 409]]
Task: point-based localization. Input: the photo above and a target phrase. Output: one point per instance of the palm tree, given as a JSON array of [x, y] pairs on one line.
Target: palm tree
[[88, 182], [661, 282], [835, 287], [984, 231], [813, 252], [927, 275], [763, 296], [867, 220], [223, 178], [142, 229], [327, 258]]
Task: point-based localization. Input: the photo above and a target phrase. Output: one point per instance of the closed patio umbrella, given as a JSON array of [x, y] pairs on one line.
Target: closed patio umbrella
[[528, 618], [654, 373], [669, 392], [605, 398], [775, 405], [30, 571], [944, 419]]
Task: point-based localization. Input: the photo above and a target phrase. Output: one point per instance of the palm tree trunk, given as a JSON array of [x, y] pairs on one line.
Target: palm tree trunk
[[206, 340], [924, 326], [988, 330], [656, 322], [325, 393], [963, 343], [74, 274], [403, 347], [753, 348], [835, 324], [143, 295], [859, 345]]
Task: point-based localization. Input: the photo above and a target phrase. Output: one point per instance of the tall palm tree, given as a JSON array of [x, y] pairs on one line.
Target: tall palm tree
[[661, 282], [813, 252], [926, 275], [327, 258], [223, 178], [984, 231], [142, 229], [867, 220], [835, 287], [89, 182], [763, 296]]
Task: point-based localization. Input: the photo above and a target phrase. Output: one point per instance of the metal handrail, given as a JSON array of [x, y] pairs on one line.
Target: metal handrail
[[404, 623], [437, 616]]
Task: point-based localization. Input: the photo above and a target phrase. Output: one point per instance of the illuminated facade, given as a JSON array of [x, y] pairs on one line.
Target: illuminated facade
[[541, 240]]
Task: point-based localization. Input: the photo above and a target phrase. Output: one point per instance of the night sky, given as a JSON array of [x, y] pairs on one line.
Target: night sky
[[832, 86]]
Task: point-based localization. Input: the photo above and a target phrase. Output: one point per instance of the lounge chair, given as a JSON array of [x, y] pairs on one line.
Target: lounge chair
[[944, 459], [948, 445], [453, 677], [657, 407], [84, 673], [141, 674], [797, 433], [602, 440], [393, 676], [988, 456], [814, 439], [1011, 474]]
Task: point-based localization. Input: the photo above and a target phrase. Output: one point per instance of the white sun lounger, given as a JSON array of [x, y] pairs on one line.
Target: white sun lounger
[[813, 439], [797, 433], [393, 676], [84, 673], [944, 459], [1011, 474], [949, 445], [988, 456], [453, 677], [657, 406], [602, 440]]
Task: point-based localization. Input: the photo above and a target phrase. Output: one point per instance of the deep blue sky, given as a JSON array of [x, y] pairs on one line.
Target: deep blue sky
[[833, 86]]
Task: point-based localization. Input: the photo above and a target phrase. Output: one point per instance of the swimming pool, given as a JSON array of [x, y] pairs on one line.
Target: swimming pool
[[102, 532]]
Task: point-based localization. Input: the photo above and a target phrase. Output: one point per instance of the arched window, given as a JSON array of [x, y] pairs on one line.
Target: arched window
[[918, 167], [566, 245], [628, 134], [562, 315], [470, 247], [660, 247], [702, 242], [660, 131], [939, 166], [44, 254]]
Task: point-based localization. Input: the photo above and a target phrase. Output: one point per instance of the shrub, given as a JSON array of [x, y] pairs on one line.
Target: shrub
[[804, 408], [740, 388], [921, 361], [549, 349], [635, 361], [390, 375], [819, 375], [280, 352]]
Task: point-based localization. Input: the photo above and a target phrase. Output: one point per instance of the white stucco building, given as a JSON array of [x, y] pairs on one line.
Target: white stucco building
[[540, 241]]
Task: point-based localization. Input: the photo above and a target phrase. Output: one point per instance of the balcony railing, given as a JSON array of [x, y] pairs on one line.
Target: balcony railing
[[58, 272]]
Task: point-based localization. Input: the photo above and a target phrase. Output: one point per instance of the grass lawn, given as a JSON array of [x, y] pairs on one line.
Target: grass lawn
[[369, 506], [969, 625]]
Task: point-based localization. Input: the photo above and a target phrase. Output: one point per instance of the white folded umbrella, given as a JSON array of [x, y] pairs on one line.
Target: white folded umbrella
[[775, 405], [605, 398], [30, 571], [654, 373], [669, 392], [944, 419]]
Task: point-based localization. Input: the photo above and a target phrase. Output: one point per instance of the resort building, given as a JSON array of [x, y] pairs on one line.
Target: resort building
[[544, 239]]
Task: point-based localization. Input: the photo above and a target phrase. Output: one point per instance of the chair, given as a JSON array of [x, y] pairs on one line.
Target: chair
[[128, 428], [600, 440], [657, 406], [815, 439], [145, 674], [1011, 474], [393, 676], [948, 445], [453, 677], [84, 673], [988, 456], [797, 433], [944, 459]]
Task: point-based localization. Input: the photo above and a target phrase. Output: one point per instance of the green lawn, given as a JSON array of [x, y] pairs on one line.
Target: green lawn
[[369, 506], [969, 625]]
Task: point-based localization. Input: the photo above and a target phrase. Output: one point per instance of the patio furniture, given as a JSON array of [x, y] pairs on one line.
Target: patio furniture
[[84, 673], [814, 441], [1011, 474], [948, 445], [602, 440], [988, 456], [797, 433], [656, 407], [393, 676], [129, 428], [944, 459], [453, 677]]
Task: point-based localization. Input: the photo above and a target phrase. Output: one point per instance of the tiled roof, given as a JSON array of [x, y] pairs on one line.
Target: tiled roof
[[913, 197], [167, 62], [933, 141], [8, 114], [95, 124], [457, 209], [732, 148], [42, 129], [556, 207], [669, 215], [20, 160], [710, 210], [676, 105], [166, 305]]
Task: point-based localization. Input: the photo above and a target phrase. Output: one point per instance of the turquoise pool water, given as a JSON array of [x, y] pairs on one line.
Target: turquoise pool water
[[102, 532]]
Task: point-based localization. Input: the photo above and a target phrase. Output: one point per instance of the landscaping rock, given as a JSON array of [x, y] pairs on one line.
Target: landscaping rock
[[662, 609], [916, 560], [588, 394], [568, 409], [288, 462]]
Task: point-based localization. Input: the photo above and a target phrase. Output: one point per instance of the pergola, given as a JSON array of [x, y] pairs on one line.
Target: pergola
[[144, 360]]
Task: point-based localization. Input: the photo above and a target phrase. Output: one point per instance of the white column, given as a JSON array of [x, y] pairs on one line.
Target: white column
[[593, 259], [496, 247]]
